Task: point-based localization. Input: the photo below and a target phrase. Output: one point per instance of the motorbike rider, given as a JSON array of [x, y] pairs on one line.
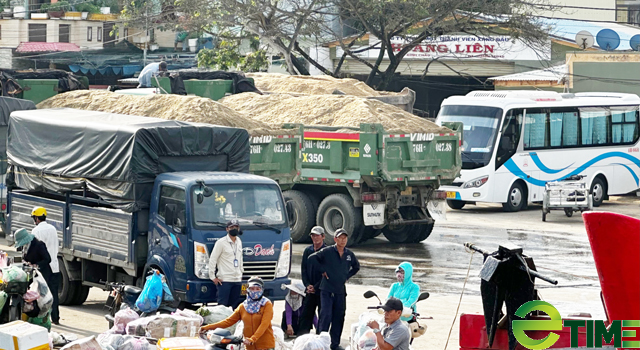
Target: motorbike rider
[[405, 289], [394, 335], [256, 312]]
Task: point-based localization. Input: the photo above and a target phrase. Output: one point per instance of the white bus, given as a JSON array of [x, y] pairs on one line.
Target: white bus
[[516, 141]]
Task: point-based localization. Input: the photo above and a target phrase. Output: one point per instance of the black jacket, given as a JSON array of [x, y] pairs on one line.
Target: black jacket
[[338, 269], [311, 275], [39, 255]]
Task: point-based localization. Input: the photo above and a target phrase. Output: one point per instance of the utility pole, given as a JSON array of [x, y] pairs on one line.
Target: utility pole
[[146, 29]]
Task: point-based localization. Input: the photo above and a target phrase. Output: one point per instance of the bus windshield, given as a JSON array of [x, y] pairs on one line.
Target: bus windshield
[[480, 127]]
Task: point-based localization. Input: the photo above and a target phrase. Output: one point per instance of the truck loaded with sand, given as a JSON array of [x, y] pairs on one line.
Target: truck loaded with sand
[[342, 160]]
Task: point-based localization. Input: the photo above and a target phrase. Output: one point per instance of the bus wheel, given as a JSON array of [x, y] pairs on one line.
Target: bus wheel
[[455, 204], [515, 199], [598, 191]]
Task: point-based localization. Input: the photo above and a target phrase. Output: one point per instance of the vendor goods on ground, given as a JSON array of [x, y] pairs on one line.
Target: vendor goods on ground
[[19, 335]]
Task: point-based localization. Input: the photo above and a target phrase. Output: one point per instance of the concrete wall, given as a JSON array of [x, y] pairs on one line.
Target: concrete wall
[[605, 10], [606, 77]]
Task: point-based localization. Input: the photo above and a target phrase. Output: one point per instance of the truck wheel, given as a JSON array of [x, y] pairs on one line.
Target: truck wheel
[[455, 204], [369, 232], [422, 232], [67, 290], [81, 296], [399, 234], [337, 211], [301, 215]]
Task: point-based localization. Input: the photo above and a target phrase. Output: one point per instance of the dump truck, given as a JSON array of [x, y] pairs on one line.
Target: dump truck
[[364, 179], [129, 194]]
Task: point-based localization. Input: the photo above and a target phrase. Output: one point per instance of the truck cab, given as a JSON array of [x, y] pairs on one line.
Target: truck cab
[[188, 215]]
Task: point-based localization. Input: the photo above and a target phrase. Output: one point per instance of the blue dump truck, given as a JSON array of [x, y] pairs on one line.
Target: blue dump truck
[[128, 194]]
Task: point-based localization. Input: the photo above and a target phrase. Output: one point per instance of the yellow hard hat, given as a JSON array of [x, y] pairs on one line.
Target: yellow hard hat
[[39, 211]]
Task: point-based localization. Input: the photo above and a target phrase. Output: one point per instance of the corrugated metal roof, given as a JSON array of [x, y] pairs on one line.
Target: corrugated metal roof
[[47, 47], [556, 74]]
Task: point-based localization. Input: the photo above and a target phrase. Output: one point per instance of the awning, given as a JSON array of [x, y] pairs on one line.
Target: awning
[[47, 47]]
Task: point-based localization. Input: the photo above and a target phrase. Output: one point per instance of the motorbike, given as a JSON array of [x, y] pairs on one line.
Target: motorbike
[[123, 296], [15, 291], [414, 326], [222, 339]]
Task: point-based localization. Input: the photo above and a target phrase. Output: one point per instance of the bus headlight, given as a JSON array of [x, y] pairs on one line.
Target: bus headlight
[[284, 262], [200, 260], [476, 182]]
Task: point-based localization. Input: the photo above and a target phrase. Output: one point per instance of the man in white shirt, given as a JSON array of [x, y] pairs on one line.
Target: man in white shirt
[[225, 266], [45, 232]]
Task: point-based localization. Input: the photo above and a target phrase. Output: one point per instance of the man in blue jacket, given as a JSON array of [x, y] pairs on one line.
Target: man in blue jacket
[[337, 264], [405, 289]]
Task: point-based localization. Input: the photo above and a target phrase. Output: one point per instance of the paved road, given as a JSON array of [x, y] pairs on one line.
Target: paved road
[[559, 247]]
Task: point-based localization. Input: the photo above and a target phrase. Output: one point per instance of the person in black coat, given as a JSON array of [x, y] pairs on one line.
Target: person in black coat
[[34, 252]]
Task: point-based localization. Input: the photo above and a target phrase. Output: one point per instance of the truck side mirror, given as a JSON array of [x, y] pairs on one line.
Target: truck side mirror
[[170, 214]]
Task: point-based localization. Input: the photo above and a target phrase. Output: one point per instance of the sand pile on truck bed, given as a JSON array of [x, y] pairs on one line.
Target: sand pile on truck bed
[[172, 107], [311, 85], [328, 110]]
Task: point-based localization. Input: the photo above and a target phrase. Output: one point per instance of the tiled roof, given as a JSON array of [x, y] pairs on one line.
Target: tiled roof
[[47, 47]]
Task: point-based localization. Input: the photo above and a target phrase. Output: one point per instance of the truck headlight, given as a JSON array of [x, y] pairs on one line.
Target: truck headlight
[[476, 182], [284, 262], [201, 260]]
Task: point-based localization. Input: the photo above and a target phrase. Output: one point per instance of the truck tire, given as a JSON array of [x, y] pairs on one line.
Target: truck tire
[[302, 216], [67, 290], [422, 232], [368, 233], [81, 295], [337, 211], [399, 234]]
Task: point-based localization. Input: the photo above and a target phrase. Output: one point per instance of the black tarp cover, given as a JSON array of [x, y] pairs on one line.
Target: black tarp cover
[[114, 156], [8, 105]]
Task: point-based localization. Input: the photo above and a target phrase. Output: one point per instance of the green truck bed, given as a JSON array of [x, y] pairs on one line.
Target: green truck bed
[[366, 168]]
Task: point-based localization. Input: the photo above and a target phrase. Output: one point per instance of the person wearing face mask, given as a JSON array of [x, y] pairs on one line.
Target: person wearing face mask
[[225, 266], [256, 312], [293, 309], [405, 289]]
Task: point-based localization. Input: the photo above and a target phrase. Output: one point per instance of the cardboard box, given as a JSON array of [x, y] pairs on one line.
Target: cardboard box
[[19, 335]]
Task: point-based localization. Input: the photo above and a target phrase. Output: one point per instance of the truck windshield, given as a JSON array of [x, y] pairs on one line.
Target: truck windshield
[[249, 204], [480, 127]]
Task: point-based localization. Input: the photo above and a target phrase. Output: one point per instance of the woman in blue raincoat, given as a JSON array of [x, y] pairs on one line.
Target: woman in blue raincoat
[[405, 289]]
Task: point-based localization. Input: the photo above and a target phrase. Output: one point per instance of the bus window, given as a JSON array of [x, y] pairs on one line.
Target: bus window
[[509, 136], [563, 128], [624, 124], [535, 131], [595, 126]]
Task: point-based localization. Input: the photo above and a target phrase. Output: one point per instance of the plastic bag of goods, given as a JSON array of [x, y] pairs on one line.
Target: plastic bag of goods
[[89, 343], [110, 341], [131, 343], [138, 327], [363, 320], [368, 340], [122, 319], [278, 334], [182, 343], [214, 314], [166, 326], [24, 335], [3, 299], [313, 342], [45, 300], [151, 296], [189, 314], [13, 274]]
